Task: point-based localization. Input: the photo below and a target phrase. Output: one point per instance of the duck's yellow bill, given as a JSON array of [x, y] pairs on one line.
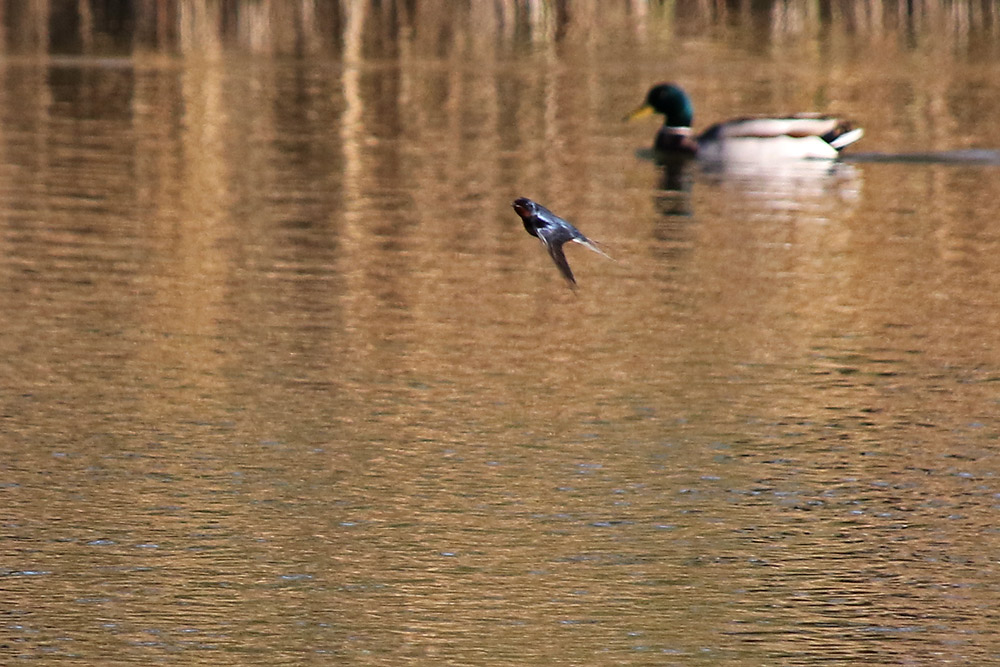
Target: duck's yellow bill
[[641, 112]]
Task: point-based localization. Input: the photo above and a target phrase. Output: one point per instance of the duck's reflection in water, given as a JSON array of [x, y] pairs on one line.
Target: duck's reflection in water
[[774, 185]]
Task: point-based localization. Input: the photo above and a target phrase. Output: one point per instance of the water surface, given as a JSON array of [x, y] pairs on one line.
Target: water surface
[[285, 381]]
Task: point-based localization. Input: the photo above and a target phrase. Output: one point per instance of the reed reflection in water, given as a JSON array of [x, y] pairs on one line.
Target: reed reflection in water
[[435, 28], [283, 379]]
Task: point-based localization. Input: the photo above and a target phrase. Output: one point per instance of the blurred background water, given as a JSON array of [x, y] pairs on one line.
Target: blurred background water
[[284, 381]]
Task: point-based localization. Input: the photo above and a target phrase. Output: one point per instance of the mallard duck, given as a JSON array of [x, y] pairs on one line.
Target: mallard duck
[[797, 136]]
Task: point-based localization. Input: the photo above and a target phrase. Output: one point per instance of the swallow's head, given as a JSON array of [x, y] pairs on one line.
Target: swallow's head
[[525, 207]]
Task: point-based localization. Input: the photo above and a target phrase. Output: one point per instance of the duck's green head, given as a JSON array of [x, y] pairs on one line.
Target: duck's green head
[[669, 100]]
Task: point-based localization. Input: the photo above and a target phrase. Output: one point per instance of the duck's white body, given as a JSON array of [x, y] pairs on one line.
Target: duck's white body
[[763, 139], [750, 149]]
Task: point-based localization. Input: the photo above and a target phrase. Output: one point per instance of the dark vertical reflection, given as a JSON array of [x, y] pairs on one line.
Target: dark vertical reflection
[[287, 220], [69, 195]]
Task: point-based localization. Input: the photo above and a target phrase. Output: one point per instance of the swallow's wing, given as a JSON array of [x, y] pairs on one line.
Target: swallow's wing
[[556, 251], [553, 238]]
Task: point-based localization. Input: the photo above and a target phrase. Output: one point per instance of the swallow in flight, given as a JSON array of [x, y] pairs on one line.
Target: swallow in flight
[[553, 232]]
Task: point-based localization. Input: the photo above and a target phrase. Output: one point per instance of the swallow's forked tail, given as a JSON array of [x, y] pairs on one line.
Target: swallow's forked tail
[[593, 245]]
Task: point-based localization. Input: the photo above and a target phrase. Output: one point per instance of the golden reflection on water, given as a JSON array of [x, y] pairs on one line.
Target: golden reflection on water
[[285, 377]]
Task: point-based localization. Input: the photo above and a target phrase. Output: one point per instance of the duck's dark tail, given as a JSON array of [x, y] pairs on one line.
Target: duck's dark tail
[[843, 135]]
